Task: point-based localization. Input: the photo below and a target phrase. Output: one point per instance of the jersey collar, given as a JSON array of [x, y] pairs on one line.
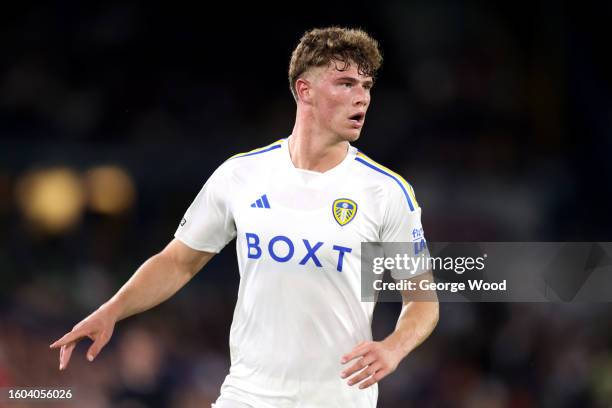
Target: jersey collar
[[350, 156]]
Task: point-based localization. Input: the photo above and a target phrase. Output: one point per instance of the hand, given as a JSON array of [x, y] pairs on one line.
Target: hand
[[98, 326], [375, 361]]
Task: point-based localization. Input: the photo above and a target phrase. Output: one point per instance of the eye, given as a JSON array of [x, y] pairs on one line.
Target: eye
[[347, 84]]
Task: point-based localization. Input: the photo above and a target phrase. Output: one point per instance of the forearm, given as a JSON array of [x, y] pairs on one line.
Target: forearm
[[155, 281], [415, 323]]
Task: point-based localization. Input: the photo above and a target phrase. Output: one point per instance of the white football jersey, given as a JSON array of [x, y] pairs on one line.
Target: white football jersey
[[298, 239]]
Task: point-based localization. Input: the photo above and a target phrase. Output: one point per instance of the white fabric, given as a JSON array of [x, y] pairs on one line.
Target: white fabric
[[225, 403], [293, 319]]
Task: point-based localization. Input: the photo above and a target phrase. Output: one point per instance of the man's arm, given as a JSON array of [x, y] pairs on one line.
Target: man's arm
[[377, 359], [160, 277]]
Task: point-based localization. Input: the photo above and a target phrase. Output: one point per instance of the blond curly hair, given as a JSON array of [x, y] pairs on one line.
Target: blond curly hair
[[320, 46]]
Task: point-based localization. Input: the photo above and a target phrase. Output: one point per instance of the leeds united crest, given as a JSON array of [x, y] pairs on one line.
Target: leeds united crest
[[344, 210]]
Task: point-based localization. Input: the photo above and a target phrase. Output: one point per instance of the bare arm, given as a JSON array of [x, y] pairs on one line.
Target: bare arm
[[378, 359], [160, 277], [417, 319]]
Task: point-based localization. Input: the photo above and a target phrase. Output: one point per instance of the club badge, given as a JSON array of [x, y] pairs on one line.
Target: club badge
[[344, 210]]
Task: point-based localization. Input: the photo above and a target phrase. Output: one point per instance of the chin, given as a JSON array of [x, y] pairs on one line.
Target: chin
[[350, 135], [353, 136]]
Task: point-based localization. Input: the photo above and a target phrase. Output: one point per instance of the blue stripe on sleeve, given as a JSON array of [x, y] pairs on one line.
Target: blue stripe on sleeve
[[259, 152], [359, 159]]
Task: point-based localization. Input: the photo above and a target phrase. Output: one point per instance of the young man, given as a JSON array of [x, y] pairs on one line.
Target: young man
[[299, 210]]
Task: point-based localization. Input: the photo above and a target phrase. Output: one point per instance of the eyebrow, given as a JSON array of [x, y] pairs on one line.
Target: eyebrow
[[353, 80]]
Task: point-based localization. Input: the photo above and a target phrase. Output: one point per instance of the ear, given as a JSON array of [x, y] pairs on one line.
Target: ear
[[303, 88]]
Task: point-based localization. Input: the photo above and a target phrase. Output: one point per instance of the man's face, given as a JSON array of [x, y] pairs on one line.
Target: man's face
[[340, 99]]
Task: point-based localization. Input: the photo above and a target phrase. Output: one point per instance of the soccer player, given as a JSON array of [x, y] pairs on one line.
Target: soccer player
[[299, 209]]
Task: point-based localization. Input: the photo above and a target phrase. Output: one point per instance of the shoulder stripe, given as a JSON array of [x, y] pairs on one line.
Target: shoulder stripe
[[404, 185], [275, 145]]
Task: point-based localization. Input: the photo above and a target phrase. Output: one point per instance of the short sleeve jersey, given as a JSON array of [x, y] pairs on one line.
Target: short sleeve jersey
[[298, 241]]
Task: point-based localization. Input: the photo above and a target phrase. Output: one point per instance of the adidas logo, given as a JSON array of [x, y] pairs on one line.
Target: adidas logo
[[261, 202]]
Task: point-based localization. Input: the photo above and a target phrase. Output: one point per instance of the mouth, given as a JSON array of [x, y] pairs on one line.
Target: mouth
[[357, 119]]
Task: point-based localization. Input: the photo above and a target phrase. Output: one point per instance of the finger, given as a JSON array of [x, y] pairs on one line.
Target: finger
[[68, 337], [360, 350], [359, 365], [96, 347], [363, 374], [379, 375], [65, 354]]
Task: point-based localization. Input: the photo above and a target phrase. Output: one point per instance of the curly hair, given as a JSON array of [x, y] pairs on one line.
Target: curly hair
[[320, 46]]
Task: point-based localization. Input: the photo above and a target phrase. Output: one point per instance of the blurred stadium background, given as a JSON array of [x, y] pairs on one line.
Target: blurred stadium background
[[112, 116]]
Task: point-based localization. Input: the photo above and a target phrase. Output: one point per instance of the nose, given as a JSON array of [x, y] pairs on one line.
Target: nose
[[362, 96]]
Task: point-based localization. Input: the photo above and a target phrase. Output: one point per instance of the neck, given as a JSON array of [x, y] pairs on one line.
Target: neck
[[314, 149]]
